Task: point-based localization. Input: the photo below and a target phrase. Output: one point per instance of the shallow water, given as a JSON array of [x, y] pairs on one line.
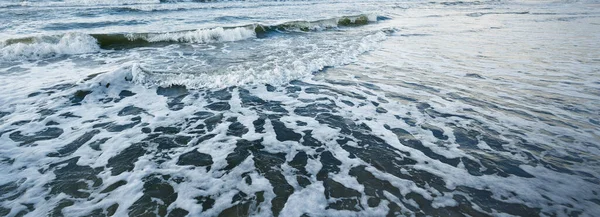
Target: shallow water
[[299, 108]]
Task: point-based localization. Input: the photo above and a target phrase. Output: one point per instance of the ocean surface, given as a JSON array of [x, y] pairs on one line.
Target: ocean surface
[[299, 108]]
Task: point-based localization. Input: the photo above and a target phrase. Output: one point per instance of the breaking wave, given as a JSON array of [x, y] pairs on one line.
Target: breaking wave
[[219, 34], [44, 47], [78, 43]]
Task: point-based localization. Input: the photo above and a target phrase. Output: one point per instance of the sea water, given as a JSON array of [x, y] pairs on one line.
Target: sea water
[[299, 108]]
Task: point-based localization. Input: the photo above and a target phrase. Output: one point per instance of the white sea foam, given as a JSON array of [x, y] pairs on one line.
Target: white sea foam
[[372, 17], [271, 69], [42, 47]]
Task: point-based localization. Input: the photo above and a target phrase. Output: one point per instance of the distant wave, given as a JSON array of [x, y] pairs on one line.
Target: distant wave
[[44, 3], [60, 3]]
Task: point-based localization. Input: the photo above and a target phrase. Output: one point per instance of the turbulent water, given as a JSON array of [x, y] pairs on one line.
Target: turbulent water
[[299, 108]]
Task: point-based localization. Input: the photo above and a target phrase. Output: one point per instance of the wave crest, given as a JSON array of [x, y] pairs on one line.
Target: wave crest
[[198, 36]]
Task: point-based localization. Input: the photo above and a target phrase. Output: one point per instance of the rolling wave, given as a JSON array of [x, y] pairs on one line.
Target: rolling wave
[[227, 34], [79, 43], [131, 40]]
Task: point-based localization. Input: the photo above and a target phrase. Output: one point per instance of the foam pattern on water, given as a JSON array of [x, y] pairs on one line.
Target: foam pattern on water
[[320, 148]]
